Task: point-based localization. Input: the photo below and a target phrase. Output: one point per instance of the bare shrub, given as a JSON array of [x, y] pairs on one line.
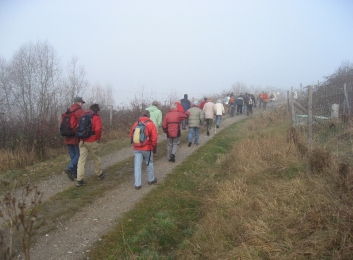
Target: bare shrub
[[19, 215]]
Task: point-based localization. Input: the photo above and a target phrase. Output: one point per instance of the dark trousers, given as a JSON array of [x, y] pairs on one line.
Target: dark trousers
[[232, 108], [239, 109], [249, 109]]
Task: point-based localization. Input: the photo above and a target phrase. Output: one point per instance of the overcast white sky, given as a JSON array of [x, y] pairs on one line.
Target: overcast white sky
[[186, 46]]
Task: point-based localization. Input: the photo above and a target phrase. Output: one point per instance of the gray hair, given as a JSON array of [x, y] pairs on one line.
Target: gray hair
[[146, 113]]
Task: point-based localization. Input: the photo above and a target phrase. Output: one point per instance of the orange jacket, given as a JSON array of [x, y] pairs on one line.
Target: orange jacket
[[265, 97]]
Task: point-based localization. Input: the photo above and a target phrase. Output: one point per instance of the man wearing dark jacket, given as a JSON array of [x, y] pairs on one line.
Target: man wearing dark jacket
[[171, 126], [240, 103], [185, 102], [72, 141]]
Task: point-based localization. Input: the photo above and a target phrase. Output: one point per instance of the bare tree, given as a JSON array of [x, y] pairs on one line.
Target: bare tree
[[6, 97], [101, 95], [35, 72], [75, 84]]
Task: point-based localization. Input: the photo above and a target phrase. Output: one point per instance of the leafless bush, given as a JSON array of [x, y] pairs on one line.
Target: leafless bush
[[19, 215]]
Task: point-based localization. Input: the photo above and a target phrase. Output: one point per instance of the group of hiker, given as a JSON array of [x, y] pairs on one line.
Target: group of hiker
[[247, 101], [181, 114], [144, 133]]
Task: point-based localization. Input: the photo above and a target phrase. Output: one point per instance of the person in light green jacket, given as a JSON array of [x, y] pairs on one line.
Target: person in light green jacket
[[156, 117]]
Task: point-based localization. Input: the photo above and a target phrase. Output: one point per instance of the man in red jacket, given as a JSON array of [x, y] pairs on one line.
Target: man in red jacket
[[72, 141], [91, 144], [171, 126], [144, 150]]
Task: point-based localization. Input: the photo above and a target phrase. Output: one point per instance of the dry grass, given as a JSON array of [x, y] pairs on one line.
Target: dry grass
[[278, 201]]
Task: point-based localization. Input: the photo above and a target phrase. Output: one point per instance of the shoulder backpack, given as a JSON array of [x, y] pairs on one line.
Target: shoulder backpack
[[272, 95], [84, 129], [68, 123], [232, 99], [250, 101], [139, 136]]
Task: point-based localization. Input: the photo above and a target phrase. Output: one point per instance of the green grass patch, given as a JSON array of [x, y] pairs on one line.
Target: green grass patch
[[166, 216]]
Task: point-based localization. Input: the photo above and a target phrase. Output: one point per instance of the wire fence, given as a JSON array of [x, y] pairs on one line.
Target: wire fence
[[324, 113]]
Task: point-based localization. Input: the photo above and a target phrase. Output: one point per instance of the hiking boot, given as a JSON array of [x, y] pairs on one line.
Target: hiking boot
[[69, 174], [153, 182], [101, 176], [80, 183], [172, 158], [189, 144], [217, 126], [137, 187]]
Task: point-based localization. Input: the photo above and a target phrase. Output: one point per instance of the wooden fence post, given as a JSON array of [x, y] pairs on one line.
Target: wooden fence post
[[310, 117], [292, 105]]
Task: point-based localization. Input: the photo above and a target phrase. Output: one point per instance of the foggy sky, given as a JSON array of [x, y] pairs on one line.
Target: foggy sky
[[197, 47]]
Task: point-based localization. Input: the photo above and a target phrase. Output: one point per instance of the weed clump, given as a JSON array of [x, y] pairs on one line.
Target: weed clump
[[320, 160]]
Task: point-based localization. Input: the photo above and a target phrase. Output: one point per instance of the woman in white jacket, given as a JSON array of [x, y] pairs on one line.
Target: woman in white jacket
[[219, 111], [208, 109]]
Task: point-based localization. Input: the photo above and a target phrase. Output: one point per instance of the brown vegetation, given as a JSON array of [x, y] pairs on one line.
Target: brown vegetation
[[272, 206]]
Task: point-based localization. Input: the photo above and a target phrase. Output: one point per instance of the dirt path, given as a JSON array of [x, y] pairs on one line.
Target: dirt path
[[73, 239]]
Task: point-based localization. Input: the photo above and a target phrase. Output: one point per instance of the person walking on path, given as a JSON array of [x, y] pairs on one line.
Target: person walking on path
[[261, 96], [156, 117], [144, 150], [203, 103], [254, 98], [195, 119], [272, 99], [72, 141], [179, 107], [240, 103], [232, 105], [185, 102], [265, 99], [171, 126], [226, 102], [208, 109], [249, 101], [91, 145], [219, 111]]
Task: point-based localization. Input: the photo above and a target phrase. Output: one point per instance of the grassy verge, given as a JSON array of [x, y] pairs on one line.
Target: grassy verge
[[168, 214], [252, 192]]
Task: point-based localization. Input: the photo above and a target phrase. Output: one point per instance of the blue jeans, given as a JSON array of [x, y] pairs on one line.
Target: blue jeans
[[74, 152], [193, 130], [139, 156], [218, 119]]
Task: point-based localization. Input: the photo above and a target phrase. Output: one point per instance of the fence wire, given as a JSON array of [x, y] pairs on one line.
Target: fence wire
[[332, 117]]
